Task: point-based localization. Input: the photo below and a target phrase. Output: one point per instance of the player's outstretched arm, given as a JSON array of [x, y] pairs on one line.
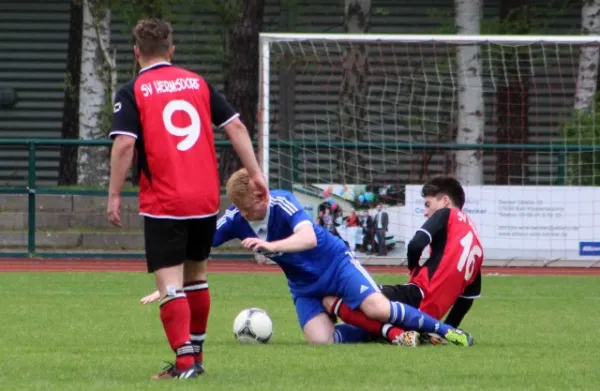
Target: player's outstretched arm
[[152, 297], [465, 302], [242, 144], [458, 311], [303, 239], [225, 117]]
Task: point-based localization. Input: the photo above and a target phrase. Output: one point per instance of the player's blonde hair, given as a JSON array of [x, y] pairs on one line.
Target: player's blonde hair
[[238, 186]]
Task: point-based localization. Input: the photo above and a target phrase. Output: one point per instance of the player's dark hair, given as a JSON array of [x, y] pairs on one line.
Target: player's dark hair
[[153, 37], [445, 185]]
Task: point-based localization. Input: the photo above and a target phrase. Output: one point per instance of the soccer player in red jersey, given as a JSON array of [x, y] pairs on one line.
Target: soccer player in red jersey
[[166, 114], [450, 279]]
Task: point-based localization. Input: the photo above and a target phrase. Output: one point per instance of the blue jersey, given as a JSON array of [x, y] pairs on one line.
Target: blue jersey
[[283, 218]]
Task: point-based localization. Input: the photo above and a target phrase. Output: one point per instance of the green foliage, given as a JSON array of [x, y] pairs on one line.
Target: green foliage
[[528, 19], [132, 11], [583, 128]]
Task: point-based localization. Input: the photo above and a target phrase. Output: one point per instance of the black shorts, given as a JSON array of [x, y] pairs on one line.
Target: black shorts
[[171, 242], [406, 293]]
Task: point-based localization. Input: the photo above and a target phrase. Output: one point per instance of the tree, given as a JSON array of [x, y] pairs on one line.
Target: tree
[[353, 91], [67, 166], [97, 89], [131, 12], [286, 102], [243, 21], [469, 163], [583, 167], [588, 57], [512, 94]]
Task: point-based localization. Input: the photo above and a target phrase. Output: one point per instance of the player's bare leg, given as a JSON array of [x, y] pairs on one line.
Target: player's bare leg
[[175, 316], [319, 330], [195, 286], [377, 306], [395, 335]]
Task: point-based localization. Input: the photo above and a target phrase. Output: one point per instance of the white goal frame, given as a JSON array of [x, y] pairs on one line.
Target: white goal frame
[[267, 39]]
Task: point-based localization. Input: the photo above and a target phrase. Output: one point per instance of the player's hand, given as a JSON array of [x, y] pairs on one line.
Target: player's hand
[[152, 297], [256, 244], [113, 210], [259, 186], [261, 259]]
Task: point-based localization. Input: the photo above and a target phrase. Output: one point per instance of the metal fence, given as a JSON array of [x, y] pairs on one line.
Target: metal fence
[[31, 190]]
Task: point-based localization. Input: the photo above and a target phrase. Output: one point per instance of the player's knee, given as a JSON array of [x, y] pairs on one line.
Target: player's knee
[[169, 278], [319, 330], [195, 271], [319, 339], [328, 302], [376, 306]]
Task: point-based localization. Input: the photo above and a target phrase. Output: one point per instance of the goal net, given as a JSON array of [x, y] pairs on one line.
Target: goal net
[[351, 121]]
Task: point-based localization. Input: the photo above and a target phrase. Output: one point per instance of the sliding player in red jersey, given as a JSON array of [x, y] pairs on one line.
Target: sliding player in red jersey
[[450, 279], [167, 114]]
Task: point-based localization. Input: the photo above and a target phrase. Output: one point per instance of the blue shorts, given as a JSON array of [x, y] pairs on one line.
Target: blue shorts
[[347, 279]]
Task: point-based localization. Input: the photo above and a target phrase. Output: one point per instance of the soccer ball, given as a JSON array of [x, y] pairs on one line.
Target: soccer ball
[[252, 326]]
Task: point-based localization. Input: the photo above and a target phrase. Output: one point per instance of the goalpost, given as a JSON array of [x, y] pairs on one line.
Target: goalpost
[[354, 120]]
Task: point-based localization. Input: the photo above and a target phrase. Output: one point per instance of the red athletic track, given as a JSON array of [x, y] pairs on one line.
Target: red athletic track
[[240, 266]]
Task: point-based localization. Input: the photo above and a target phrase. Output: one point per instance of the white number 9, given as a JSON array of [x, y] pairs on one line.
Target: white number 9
[[190, 132]]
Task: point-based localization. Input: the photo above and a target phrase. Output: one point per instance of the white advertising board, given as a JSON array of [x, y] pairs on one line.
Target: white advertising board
[[523, 222]]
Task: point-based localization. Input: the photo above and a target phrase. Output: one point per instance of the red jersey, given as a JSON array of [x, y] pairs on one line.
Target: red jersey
[[453, 268], [171, 111]]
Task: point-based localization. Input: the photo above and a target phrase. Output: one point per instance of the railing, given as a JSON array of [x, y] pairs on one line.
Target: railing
[[31, 190]]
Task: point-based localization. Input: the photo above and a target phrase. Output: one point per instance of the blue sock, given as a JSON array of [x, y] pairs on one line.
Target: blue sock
[[345, 333], [410, 318]]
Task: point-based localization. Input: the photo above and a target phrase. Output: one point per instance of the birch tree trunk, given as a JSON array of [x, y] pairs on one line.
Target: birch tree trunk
[[93, 162], [589, 57], [469, 163], [583, 168], [353, 92]]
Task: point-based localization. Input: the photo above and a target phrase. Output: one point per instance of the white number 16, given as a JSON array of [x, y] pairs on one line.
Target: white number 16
[[468, 255], [190, 132]]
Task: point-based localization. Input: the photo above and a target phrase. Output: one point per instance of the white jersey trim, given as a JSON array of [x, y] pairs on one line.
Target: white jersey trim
[[303, 222], [167, 217], [122, 133], [156, 64], [286, 205], [426, 233], [233, 117], [420, 290]]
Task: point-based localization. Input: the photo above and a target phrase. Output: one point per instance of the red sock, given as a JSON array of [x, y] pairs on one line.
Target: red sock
[[198, 297], [175, 316], [359, 319]]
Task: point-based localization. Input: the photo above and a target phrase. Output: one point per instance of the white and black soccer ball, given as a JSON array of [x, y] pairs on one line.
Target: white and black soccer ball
[[253, 326]]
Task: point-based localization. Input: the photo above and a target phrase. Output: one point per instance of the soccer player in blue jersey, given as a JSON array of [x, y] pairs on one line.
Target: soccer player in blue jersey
[[317, 265]]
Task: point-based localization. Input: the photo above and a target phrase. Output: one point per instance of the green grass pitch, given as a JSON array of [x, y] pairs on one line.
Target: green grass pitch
[[88, 332]]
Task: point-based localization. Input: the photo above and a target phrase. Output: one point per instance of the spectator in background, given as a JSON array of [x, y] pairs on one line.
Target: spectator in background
[[328, 221], [352, 220], [381, 227], [320, 220], [353, 230], [366, 222]]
